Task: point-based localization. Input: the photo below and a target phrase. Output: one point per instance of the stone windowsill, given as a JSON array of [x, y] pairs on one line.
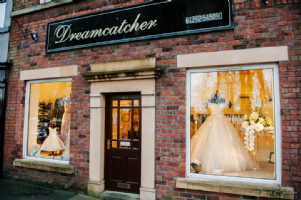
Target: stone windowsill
[[4, 29], [44, 165], [235, 187], [39, 7]]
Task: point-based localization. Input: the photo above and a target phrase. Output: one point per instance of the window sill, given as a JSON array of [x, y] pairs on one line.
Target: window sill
[[39, 7], [234, 187], [4, 29], [44, 165]]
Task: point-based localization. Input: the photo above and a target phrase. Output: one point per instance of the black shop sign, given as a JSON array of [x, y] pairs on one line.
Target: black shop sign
[[154, 19]]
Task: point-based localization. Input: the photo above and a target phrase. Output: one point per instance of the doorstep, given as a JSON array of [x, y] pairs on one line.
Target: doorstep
[[112, 195]]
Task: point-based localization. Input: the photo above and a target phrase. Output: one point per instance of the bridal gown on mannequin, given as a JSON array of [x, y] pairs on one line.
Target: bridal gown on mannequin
[[65, 124], [216, 144], [53, 142], [65, 130]]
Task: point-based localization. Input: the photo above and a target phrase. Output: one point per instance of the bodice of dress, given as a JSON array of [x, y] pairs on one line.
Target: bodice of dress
[[53, 131], [217, 109]]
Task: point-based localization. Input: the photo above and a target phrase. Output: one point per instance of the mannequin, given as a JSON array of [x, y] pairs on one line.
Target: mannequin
[[65, 128], [53, 142], [217, 145], [216, 99], [58, 111]]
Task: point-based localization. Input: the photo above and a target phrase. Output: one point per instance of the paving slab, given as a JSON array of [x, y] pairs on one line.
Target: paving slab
[[83, 197], [112, 195]]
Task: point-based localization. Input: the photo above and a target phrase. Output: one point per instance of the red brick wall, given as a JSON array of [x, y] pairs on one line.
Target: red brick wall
[[85, 5], [21, 4], [277, 24]]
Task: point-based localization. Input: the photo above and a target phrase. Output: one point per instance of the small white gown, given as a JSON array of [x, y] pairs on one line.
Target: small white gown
[[216, 144], [53, 141]]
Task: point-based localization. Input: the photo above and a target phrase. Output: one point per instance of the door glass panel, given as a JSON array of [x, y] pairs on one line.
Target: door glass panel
[[125, 103], [136, 103], [135, 134], [114, 144], [125, 123], [124, 144], [115, 103], [114, 123]]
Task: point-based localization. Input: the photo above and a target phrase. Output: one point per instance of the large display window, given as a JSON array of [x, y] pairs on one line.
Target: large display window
[[47, 125], [234, 122]]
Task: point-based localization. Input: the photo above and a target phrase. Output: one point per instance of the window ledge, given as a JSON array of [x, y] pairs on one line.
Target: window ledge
[[4, 29], [44, 165], [235, 187], [39, 7]]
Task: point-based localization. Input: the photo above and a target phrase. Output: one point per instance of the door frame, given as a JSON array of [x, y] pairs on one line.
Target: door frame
[[107, 127], [146, 87]]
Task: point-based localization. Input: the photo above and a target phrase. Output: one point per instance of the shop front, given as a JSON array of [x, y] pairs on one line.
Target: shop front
[[122, 127], [162, 99]]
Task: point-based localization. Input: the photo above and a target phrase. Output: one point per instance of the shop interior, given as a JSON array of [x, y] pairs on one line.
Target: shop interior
[[248, 100], [49, 120]]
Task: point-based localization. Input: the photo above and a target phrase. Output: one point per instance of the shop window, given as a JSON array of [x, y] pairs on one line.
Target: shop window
[[47, 126], [234, 123], [2, 14]]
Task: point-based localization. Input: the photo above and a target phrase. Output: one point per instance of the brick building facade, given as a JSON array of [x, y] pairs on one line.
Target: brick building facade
[[277, 24]]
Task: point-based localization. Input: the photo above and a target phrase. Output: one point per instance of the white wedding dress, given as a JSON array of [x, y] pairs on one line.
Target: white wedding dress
[[53, 142], [217, 146]]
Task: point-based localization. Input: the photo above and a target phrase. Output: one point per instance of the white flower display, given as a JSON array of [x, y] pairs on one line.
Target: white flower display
[[254, 116], [255, 121], [259, 127], [245, 124]]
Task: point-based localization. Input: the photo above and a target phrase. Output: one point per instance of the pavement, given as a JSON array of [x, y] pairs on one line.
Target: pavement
[[14, 190]]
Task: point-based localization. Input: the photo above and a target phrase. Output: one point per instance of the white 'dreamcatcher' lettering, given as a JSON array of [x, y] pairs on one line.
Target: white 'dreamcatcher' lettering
[[64, 33]]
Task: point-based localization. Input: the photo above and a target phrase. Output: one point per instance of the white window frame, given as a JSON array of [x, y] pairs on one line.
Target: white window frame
[[25, 131], [277, 122], [2, 14]]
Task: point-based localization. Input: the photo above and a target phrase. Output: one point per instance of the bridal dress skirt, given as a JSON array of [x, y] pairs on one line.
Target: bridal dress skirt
[[53, 142], [216, 145]]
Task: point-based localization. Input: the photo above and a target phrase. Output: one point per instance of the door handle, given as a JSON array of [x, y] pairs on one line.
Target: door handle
[[108, 144]]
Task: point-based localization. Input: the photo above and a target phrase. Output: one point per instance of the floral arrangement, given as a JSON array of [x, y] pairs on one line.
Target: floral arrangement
[[255, 121]]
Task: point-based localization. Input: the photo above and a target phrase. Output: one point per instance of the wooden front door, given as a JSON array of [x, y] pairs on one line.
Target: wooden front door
[[123, 142]]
